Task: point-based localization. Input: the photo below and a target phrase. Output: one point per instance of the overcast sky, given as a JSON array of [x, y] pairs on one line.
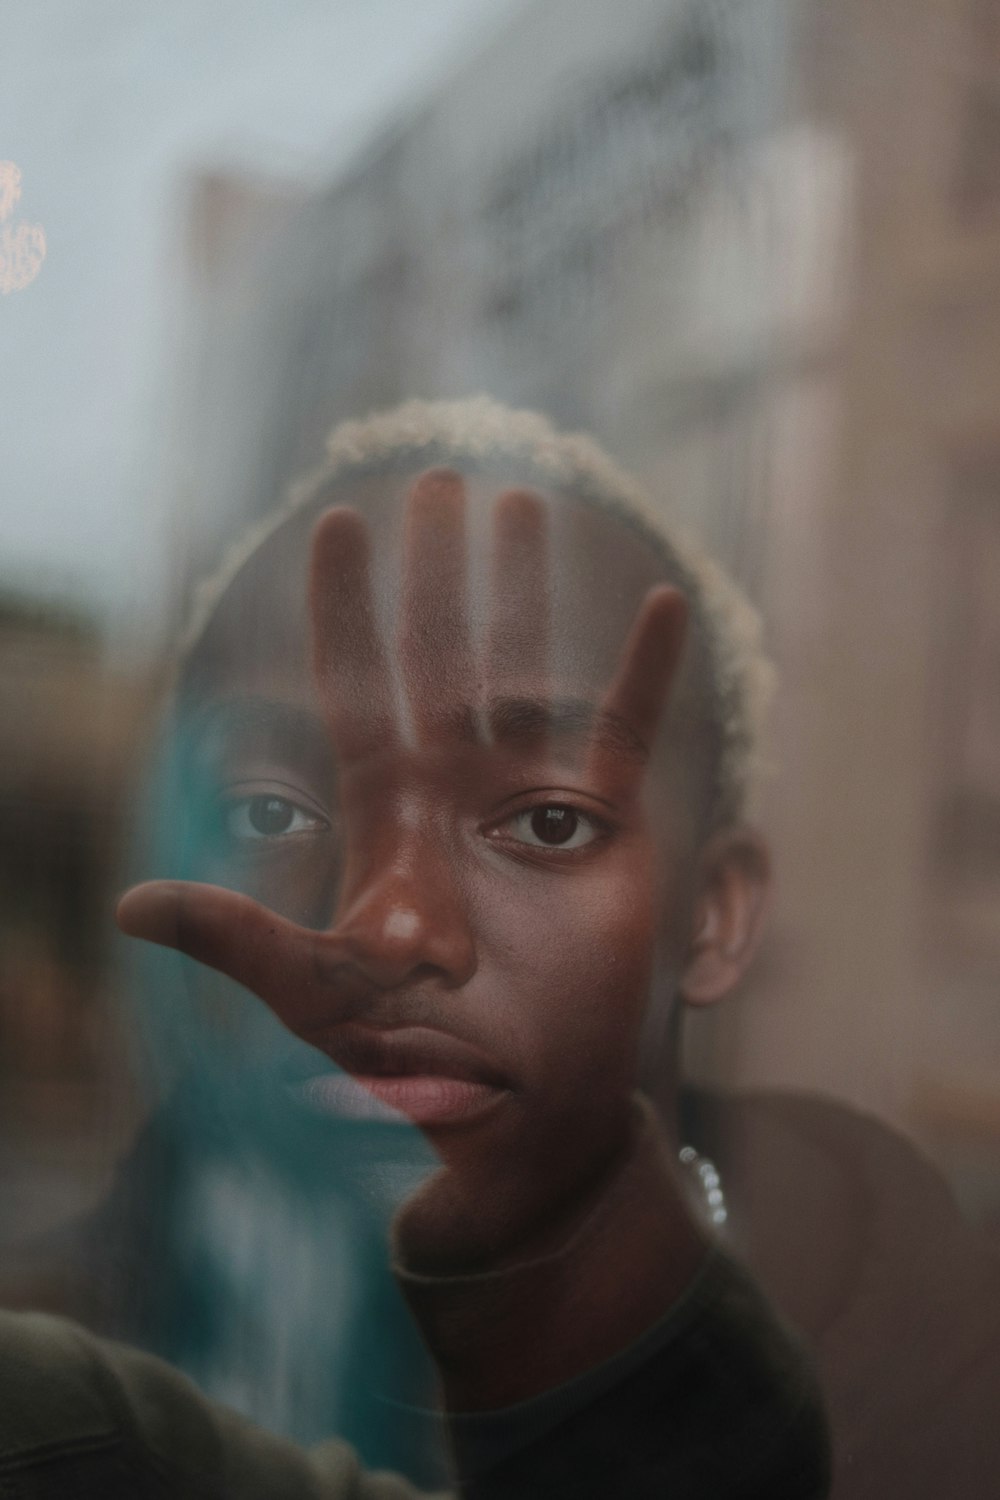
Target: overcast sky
[[107, 106]]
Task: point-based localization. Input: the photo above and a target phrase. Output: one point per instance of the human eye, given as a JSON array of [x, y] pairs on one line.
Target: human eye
[[267, 815], [552, 825]]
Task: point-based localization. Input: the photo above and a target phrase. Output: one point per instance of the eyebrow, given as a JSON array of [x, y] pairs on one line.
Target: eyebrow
[[286, 723], [513, 719]]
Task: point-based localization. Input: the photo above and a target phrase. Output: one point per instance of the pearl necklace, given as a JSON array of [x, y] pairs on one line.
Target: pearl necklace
[[709, 1182]]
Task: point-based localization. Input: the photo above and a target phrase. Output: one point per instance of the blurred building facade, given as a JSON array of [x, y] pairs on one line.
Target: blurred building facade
[[70, 736], [754, 248]]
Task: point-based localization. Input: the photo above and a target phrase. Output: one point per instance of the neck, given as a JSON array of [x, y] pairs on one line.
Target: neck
[[505, 1335]]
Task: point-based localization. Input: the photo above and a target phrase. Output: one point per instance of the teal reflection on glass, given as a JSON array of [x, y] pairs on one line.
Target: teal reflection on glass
[[268, 1209]]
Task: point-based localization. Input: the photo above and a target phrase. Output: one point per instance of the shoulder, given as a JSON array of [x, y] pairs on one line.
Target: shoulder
[[825, 1201], [48, 1395], [812, 1131], [82, 1416], [855, 1237]]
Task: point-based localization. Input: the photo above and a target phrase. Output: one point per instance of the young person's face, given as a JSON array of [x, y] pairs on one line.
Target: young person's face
[[502, 844]]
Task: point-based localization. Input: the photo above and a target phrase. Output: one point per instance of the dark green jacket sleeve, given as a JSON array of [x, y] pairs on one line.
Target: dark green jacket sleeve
[[81, 1419]]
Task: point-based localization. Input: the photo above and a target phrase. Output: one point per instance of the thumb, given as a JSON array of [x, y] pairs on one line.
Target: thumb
[[267, 954]]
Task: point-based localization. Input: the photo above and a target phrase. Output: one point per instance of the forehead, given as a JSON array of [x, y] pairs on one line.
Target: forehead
[[600, 567]]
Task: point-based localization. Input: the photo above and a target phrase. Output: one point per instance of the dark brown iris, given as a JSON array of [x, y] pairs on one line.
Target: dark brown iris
[[554, 825]]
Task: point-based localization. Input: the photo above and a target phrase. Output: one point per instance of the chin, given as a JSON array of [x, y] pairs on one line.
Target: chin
[[452, 1226], [470, 1216]]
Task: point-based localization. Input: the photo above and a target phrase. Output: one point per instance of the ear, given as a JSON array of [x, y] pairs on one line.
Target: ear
[[733, 895]]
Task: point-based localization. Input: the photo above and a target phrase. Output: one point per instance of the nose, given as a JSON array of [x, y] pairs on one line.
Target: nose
[[407, 922]]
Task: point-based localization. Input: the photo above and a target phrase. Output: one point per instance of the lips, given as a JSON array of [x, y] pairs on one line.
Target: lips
[[427, 1077]]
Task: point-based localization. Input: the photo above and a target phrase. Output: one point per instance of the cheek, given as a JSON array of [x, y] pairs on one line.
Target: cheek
[[298, 881], [574, 952]]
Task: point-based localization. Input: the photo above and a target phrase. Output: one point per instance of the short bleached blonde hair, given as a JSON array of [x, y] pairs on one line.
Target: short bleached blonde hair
[[479, 432]]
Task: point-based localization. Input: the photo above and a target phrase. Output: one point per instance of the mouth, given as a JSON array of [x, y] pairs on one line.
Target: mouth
[[412, 1075]]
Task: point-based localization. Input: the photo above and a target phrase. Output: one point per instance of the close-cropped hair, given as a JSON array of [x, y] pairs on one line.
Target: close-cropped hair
[[478, 433]]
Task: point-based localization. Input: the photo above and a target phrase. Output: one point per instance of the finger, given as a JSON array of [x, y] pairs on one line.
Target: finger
[[349, 660], [435, 649], [231, 933], [520, 588], [640, 690]]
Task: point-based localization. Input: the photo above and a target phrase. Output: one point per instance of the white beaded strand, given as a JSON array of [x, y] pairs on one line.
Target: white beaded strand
[[710, 1183]]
